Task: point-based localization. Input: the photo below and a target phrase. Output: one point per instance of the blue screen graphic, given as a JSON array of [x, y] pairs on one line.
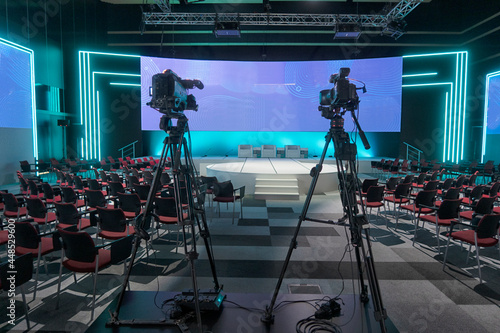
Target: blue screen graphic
[[15, 88], [278, 96], [493, 121]]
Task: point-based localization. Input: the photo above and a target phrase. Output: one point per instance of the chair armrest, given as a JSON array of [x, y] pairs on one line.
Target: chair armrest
[[431, 207]]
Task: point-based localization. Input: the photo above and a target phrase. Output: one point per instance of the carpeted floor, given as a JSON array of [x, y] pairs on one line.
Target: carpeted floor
[[418, 294]]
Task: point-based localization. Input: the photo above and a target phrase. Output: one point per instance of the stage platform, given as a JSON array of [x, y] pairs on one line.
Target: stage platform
[[274, 178], [240, 313]]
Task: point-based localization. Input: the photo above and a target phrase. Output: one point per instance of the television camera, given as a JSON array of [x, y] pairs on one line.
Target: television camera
[[343, 95], [169, 93]]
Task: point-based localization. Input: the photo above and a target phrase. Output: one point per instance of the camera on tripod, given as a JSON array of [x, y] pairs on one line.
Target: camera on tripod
[[342, 95], [170, 93]]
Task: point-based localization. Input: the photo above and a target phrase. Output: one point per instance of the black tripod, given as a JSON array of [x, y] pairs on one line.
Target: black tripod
[[184, 183], [345, 155]]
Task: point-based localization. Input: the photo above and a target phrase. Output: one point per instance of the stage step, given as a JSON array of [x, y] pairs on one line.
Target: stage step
[[276, 189]]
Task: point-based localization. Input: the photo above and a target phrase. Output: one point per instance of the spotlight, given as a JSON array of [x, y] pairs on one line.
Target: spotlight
[[347, 31], [227, 29]]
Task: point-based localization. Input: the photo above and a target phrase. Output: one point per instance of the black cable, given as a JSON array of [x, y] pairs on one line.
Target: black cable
[[312, 325]]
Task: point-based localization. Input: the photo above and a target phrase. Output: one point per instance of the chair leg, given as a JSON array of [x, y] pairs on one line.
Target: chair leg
[[25, 308], [37, 270], [59, 281], [478, 263], [234, 204], [95, 285], [415, 233]]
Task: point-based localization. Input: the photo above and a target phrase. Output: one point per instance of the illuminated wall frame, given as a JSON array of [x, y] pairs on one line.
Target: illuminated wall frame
[[487, 96], [90, 98], [32, 82], [454, 97]]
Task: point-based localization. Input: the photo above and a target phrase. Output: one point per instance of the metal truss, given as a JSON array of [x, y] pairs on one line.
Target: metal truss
[[164, 5], [403, 8]]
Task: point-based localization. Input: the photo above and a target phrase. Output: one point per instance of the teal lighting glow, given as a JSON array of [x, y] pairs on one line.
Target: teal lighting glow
[[31, 54], [455, 106], [421, 74], [489, 76], [89, 99]]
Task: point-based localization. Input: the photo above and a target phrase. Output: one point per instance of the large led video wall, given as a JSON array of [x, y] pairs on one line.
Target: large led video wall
[[278, 96], [17, 111]]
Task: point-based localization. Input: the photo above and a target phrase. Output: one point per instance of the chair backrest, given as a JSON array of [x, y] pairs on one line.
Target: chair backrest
[[420, 179], [78, 245], [485, 205], [425, 198], [131, 179], [223, 189], [488, 226], [408, 179], [460, 181], [24, 271], [431, 185], [115, 177], [452, 193], [48, 191], [36, 207], [95, 198], [26, 235], [135, 172], [402, 190], [375, 194], [494, 189], [447, 184], [449, 209], [367, 183], [69, 194], [67, 213], [103, 175], [476, 193], [391, 183], [78, 182], [142, 190], [129, 202], [115, 188], [10, 202], [165, 178], [23, 183], [111, 219], [94, 185], [33, 188], [165, 206]]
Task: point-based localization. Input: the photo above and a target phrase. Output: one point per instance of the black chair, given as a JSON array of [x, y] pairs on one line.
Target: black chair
[[80, 254], [30, 240], [374, 198], [130, 203], [95, 198], [68, 215], [399, 197], [482, 234], [51, 194], [367, 183], [225, 192], [475, 193], [40, 213], [165, 210], [444, 215], [13, 206], [142, 191], [112, 223], [421, 204], [23, 266], [483, 206], [69, 195]]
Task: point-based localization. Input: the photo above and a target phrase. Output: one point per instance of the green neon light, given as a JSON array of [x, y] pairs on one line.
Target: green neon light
[[445, 125], [421, 74], [456, 108], [124, 84], [426, 84], [89, 100]]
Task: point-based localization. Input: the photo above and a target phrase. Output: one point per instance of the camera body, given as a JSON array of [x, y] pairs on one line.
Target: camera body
[[170, 93], [342, 95]]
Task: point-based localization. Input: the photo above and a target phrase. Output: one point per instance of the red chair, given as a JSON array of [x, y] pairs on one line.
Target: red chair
[[81, 255], [112, 223], [225, 192], [374, 199], [421, 204], [483, 234], [40, 213], [13, 207], [447, 213], [400, 197], [483, 206], [68, 216]]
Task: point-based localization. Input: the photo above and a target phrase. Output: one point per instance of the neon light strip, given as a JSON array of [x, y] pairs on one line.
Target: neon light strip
[[445, 125], [422, 74], [124, 84], [98, 127], [456, 109], [89, 101]]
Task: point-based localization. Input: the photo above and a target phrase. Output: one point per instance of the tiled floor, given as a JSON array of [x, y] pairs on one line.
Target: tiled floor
[[418, 295]]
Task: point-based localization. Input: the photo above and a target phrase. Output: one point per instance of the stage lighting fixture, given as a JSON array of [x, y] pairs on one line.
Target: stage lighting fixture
[[227, 29], [395, 29], [347, 31]]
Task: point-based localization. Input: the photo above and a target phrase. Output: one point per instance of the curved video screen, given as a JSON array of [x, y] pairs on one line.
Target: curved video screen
[[278, 96]]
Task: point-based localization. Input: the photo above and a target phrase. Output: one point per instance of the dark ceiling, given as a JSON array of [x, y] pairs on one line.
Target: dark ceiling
[[436, 25]]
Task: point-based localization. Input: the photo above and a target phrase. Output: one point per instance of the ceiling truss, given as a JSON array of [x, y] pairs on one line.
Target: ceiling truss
[[166, 17]]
